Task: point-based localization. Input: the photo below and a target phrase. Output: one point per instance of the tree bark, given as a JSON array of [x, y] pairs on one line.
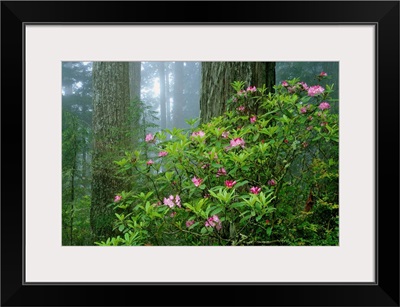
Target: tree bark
[[216, 79], [110, 127], [179, 100], [163, 115]]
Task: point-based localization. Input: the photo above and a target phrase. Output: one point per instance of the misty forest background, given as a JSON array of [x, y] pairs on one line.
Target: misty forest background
[[108, 109]]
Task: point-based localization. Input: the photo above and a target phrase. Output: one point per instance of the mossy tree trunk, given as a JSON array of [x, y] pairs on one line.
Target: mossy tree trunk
[[216, 79], [110, 140], [134, 95]]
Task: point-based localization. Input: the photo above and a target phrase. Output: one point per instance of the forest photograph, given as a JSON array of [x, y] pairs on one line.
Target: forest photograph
[[187, 153]]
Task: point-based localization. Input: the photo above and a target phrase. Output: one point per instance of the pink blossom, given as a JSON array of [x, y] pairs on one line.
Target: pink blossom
[[255, 190], [324, 106], [189, 223], [304, 85], [171, 201], [206, 165], [213, 221], [230, 183], [303, 110], [242, 93], [323, 74], [225, 134], [149, 138], [253, 119], [221, 172], [117, 198], [291, 89], [150, 162], [251, 89], [241, 108], [237, 142], [315, 90], [271, 182], [162, 153], [284, 83], [198, 133], [197, 181]]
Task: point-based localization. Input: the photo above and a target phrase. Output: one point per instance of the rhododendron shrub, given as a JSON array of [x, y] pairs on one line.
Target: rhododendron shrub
[[241, 179]]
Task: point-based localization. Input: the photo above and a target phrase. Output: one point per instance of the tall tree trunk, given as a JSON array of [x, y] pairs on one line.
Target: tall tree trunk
[[134, 96], [110, 125], [167, 97], [216, 79], [179, 101], [163, 114]]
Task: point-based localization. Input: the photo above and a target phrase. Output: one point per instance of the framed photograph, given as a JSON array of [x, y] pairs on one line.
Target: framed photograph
[[246, 157]]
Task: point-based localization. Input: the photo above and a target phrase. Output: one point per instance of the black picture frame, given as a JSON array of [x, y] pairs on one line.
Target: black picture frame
[[383, 14]]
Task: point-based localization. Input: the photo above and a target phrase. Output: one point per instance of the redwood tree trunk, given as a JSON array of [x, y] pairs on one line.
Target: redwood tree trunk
[[110, 126], [216, 79]]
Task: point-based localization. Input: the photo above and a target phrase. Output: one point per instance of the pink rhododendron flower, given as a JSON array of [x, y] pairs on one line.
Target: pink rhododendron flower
[[253, 119], [117, 198], [198, 133], [303, 85], [271, 182], [242, 93], [149, 138], [303, 110], [230, 183], [251, 89], [172, 201], [150, 162], [284, 83], [162, 153], [225, 134], [255, 190], [189, 223], [213, 221], [315, 90], [324, 106], [197, 181], [237, 142], [221, 172], [241, 108], [204, 166], [323, 74]]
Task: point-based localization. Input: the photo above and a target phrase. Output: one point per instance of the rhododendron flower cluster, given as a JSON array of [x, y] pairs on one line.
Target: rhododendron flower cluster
[[213, 221], [284, 83], [303, 110], [251, 89], [172, 201], [323, 74], [241, 108], [230, 183], [225, 134], [303, 85], [162, 153], [253, 119], [117, 198], [315, 90], [150, 138], [271, 182], [150, 162], [198, 133], [221, 172], [237, 142], [324, 106], [255, 190], [197, 181]]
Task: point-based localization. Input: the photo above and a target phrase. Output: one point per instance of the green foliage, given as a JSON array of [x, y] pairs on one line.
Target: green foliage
[[244, 178]]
